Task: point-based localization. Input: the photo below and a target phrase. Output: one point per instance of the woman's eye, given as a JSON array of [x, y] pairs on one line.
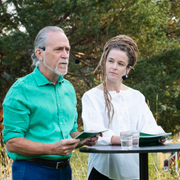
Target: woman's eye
[[121, 64]]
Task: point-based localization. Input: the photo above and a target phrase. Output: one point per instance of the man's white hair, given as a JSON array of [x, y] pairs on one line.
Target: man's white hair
[[41, 41]]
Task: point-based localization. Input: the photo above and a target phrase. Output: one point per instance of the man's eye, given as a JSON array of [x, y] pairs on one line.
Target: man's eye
[[67, 49]]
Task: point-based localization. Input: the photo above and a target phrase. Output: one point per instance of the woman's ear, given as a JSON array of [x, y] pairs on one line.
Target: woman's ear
[[130, 67], [39, 54]]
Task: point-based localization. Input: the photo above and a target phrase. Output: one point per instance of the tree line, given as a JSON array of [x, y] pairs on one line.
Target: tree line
[[153, 24]]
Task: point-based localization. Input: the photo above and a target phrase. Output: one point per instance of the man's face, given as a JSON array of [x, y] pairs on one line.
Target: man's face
[[56, 55]]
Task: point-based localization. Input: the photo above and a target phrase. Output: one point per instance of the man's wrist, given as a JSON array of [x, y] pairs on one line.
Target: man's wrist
[[51, 149]]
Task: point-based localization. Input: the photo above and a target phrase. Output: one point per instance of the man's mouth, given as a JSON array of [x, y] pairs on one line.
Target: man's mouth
[[63, 62]]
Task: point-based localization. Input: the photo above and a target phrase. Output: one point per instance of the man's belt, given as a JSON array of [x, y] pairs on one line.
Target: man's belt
[[50, 163]]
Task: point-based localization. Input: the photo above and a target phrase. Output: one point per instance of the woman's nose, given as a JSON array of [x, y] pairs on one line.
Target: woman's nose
[[114, 65]]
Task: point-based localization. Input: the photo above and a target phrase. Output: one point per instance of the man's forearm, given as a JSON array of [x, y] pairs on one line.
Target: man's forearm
[[74, 134], [27, 147], [30, 148]]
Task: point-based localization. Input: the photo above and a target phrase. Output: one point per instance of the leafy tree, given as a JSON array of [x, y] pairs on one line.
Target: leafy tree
[[88, 25], [158, 79]]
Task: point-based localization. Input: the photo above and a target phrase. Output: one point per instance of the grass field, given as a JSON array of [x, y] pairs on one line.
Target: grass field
[[79, 162], [79, 167]]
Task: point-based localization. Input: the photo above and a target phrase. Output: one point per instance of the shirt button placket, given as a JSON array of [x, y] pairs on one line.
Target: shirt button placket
[[59, 110], [59, 106]]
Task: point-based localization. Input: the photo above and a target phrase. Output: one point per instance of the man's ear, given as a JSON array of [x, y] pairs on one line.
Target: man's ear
[[39, 54]]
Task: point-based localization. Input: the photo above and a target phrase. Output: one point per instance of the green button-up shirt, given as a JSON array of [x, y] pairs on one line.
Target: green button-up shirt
[[38, 110]]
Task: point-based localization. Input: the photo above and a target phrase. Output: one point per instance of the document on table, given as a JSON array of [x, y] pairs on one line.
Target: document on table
[[85, 135], [146, 139]]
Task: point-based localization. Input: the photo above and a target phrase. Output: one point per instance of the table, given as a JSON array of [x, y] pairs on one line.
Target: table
[[142, 150]]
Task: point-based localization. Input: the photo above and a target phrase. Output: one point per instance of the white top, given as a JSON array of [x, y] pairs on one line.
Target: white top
[[130, 113]]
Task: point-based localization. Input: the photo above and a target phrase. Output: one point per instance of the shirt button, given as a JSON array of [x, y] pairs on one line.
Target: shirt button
[[58, 104], [60, 122]]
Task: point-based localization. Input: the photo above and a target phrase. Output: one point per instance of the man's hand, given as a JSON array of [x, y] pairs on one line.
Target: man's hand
[[65, 147], [90, 141]]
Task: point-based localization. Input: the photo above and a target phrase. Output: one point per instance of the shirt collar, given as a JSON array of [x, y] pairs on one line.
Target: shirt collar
[[42, 80]]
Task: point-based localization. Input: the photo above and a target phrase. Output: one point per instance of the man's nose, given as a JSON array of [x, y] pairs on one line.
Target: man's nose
[[65, 54]]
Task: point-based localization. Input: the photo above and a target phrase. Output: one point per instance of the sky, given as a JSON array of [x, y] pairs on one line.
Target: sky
[[10, 10]]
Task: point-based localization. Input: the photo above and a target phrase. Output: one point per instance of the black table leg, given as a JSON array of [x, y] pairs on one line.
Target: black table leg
[[143, 162]]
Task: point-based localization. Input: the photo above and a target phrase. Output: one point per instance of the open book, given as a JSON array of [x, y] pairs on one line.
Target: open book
[[85, 135], [148, 139]]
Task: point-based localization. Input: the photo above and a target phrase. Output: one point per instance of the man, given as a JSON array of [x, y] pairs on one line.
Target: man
[[40, 113]]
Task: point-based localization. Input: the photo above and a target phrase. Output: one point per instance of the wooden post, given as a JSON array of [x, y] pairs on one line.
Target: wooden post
[[156, 108]]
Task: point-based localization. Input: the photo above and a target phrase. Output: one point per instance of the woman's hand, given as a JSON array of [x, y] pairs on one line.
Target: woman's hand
[[162, 141]]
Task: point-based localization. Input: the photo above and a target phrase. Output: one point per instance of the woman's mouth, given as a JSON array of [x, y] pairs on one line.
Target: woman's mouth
[[113, 73]]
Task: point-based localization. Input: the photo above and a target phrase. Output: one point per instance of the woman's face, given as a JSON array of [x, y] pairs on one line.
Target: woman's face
[[116, 65]]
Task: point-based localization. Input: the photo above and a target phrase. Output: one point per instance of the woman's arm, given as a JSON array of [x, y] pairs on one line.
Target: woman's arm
[[115, 140]]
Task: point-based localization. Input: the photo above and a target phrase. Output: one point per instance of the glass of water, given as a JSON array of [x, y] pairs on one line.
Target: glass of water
[[126, 139], [135, 140]]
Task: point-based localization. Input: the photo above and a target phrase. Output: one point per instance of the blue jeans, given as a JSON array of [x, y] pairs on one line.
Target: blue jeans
[[24, 170]]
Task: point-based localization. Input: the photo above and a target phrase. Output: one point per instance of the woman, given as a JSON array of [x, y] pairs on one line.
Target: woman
[[116, 107]]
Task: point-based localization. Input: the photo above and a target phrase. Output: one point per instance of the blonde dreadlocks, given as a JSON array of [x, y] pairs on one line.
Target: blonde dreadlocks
[[126, 44]]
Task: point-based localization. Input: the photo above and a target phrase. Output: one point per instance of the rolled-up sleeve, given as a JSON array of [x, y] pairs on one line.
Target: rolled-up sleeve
[[16, 115]]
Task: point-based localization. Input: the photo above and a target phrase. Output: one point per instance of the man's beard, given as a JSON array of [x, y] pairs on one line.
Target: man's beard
[[56, 69]]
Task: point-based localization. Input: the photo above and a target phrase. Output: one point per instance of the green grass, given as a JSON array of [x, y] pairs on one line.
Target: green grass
[[79, 162], [156, 173], [79, 167], [5, 165]]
